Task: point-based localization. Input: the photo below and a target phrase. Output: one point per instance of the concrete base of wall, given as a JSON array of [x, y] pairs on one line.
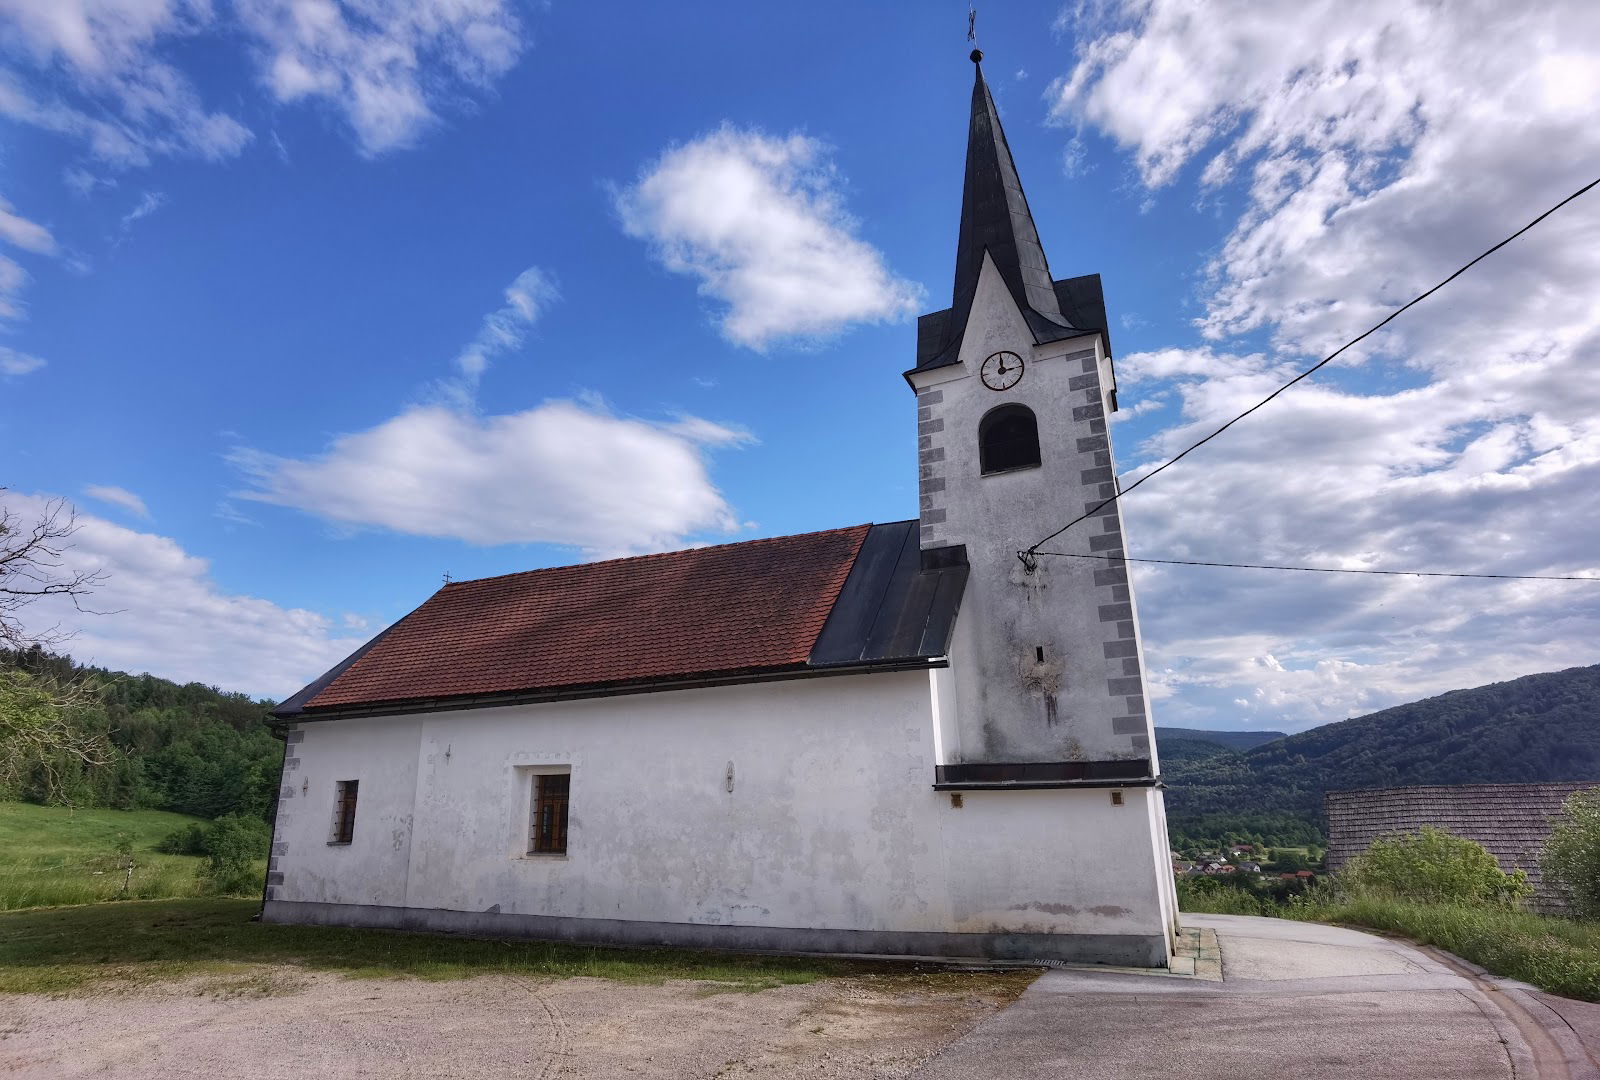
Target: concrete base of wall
[[1123, 950]]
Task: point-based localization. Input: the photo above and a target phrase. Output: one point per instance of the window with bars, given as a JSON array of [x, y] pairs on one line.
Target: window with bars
[[548, 827], [344, 812]]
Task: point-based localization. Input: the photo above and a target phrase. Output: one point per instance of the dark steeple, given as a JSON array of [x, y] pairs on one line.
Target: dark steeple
[[995, 218]]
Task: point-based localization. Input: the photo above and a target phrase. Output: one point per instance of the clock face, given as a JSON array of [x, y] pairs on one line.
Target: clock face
[[1001, 371]]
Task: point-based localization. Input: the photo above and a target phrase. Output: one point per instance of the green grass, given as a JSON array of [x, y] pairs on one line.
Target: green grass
[[124, 945], [51, 855], [1561, 956]]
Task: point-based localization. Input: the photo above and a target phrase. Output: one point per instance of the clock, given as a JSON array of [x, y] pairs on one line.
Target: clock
[[1001, 371]]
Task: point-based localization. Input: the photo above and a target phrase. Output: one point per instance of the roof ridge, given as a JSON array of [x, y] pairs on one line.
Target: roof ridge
[[664, 554]]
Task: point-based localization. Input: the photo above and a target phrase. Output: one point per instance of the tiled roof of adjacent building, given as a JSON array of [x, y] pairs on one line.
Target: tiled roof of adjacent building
[[843, 599], [1511, 820]]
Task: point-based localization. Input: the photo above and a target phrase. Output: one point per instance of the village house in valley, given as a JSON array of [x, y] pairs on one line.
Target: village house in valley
[[888, 738]]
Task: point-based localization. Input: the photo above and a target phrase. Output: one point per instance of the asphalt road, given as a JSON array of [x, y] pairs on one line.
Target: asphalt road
[[1296, 999]]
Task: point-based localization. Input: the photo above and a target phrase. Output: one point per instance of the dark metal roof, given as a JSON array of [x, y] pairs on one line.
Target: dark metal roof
[[1081, 301], [891, 608], [995, 219]]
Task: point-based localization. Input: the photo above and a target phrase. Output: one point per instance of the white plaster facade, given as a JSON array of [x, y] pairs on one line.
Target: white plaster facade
[[1083, 698], [832, 837]]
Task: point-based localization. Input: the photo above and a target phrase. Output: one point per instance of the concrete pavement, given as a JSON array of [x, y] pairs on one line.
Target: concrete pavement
[[1296, 999]]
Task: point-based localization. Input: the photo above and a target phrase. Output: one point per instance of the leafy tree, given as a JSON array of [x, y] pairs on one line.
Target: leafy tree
[[1571, 856], [1288, 860], [1435, 866], [235, 845], [43, 746], [38, 739]]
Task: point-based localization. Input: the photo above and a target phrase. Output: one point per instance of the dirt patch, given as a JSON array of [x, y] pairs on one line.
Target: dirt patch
[[280, 1021]]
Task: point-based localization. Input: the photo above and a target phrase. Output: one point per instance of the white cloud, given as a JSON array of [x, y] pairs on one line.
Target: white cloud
[[383, 64], [118, 497], [562, 473], [168, 617], [103, 71], [761, 222], [504, 330], [12, 279], [13, 362], [20, 232], [1369, 147], [148, 204], [119, 95]]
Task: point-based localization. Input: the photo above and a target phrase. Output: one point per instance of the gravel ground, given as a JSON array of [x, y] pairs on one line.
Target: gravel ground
[[281, 1022]]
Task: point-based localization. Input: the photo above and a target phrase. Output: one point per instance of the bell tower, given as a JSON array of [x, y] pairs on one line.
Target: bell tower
[[1014, 383]]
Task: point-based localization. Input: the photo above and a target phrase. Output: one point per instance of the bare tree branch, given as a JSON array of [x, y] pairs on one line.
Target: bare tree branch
[[40, 717], [32, 568]]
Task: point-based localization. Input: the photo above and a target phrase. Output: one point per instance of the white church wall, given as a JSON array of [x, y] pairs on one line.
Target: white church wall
[[382, 755], [832, 824], [1071, 863]]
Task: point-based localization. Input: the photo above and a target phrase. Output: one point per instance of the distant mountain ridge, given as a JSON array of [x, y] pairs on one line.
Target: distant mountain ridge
[[1534, 729], [1233, 740]]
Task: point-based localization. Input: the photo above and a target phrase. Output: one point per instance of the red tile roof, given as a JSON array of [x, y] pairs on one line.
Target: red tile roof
[[735, 608]]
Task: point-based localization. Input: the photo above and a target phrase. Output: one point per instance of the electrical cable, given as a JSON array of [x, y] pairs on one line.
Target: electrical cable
[[1320, 569], [1027, 554]]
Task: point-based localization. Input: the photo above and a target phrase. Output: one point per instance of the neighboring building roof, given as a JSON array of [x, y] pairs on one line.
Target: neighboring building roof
[[995, 219], [846, 599], [1511, 820]]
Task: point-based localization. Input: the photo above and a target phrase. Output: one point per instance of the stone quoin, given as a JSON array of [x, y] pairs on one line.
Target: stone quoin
[[892, 738]]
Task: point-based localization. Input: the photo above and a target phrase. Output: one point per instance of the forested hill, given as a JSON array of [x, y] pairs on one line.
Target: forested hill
[[190, 748], [1233, 740], [1537, 728]]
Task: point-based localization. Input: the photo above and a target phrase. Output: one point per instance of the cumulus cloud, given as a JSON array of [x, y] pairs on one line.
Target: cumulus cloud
[[169, 617], [1369, 148], [13, 362], [563, 473], [103, 72], [118, 496], [760, 220]]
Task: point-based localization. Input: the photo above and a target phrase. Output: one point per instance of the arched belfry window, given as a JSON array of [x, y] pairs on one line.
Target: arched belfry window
[[1008, 438]]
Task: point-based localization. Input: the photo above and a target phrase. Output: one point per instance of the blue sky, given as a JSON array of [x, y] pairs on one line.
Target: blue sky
[[330, 303]]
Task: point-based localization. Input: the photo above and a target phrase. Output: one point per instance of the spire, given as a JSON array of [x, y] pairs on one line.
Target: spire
[[995, 218]]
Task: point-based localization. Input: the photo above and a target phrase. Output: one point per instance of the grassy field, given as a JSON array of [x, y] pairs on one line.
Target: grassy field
[[125, 945], [52, 855], [1558, 955]]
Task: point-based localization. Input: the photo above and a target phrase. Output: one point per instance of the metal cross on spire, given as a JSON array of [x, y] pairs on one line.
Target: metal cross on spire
[[972, 24]]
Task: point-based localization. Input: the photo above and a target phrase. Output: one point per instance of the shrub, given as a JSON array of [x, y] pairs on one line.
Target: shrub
[[1434, 866], [235, 844], [189, 840], [1571, 857]]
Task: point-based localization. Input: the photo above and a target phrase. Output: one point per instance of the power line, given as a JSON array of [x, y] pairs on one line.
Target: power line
[[1319, 569], [1025, 556]]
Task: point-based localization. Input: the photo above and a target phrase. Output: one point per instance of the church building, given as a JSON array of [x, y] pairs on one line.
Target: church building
[[890, 738]]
